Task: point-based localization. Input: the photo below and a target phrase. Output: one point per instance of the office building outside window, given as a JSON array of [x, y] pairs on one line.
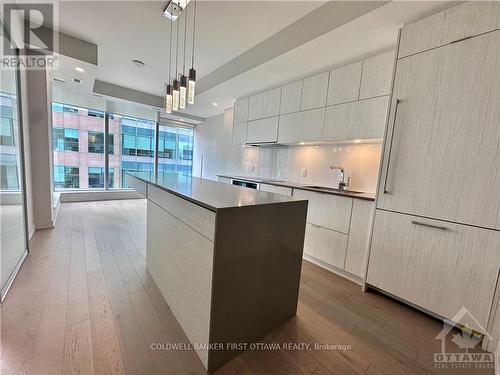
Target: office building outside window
[[78, 142]]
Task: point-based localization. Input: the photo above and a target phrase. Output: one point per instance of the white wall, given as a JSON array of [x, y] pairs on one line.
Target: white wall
[[213, 142]]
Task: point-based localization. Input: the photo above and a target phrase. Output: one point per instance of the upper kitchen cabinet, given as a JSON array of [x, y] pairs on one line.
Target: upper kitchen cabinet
[[466, 20], [239, 136], [264, 104], [314, 91], [364, 119], [291, 94], [344, 83], [263, 131], [443, 160], [301, 126], [255, 105], [241, 110], [377, 75], [271, 102]]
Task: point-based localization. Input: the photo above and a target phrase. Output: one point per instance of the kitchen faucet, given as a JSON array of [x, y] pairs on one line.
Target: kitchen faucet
[[342, 184]]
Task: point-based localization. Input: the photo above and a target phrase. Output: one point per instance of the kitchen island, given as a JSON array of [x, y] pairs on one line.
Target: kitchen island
[[226, 259]]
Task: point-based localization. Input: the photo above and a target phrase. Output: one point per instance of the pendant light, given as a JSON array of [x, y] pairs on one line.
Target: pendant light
[[168, 88], [192, 71], [175, 92], [183, 78]]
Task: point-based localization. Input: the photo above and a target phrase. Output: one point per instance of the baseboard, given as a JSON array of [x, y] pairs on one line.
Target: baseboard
[[497, 359], [44, 225], [338, 271], [105, 195]]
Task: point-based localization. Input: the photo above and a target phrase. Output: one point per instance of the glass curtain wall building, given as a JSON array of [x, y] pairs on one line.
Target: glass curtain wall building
[[79, 148], [9, 156]]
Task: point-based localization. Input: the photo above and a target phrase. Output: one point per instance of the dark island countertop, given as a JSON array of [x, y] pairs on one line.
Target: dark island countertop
[[296, 185], [209, 194]]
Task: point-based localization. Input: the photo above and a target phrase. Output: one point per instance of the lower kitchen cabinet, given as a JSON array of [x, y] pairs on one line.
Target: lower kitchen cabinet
[[276, 189], [359, 235], [439, 266], [326, 245], [327, 210], [225, 180], [263, 131]]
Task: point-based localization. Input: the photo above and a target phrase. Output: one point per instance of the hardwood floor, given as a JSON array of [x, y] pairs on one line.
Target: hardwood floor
[[83, 303]]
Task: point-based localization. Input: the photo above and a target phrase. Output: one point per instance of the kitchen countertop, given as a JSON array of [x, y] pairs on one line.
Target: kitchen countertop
[[296, 185], [210, 194]]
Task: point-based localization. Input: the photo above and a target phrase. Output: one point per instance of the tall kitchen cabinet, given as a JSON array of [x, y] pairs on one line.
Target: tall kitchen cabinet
[[436, 234]]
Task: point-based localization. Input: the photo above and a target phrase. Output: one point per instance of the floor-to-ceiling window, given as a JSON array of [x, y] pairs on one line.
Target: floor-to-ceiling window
[[13, 239], [136, 147], [80, 151], [78, 142], [175, 150]]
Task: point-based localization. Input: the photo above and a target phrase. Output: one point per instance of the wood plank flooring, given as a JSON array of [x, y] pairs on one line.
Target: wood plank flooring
[[83, 303]]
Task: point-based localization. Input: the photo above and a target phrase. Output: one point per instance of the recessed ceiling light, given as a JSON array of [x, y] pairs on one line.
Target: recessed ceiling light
[[78, 69], [138, 63], [357, 141], [302, 143], [214, 104], [182, 119]]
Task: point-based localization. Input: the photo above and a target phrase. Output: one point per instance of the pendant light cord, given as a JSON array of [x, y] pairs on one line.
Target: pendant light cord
[[194, 30], [170, 54], [177, 50], [185, 36]]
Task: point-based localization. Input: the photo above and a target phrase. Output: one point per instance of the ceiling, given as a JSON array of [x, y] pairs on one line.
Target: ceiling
[[228, 37]]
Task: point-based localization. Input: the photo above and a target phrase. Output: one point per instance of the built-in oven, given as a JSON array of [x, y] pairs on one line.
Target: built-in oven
[[248, 184]]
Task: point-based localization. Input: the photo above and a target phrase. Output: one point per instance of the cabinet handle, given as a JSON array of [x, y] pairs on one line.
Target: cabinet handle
[[440, 227], [390, 146]]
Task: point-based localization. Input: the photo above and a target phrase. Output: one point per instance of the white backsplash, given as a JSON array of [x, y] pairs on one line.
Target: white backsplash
[[213, 143]]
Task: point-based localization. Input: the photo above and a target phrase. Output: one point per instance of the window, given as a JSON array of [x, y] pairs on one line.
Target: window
[[66, 177], [175, 150], [65, 139], [6, 131], [79, 147], [137, 147], [8, 177], [78, 141]]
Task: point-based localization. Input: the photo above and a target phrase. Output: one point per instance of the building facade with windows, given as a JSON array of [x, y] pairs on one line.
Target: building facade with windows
[[78, 141]]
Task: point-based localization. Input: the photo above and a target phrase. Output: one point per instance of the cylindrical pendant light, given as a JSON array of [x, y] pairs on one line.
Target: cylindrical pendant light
[[175, 95], [168, 99], [183, 78], [192, 71]]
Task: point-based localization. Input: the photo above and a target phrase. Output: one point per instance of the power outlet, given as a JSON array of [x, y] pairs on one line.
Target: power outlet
[[303, 172]]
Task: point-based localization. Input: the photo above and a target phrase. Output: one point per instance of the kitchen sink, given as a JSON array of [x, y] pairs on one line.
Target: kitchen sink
[[333, 189]]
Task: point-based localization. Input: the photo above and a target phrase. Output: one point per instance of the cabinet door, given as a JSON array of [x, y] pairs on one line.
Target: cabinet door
[[326, 245], [444, 160], [241, 110], [262, 131], [462, 21], [225, 180], [276, 189], [239, 133], [377, 75], [327, 210], [290, 97], [344, 83], [301, 126], [314, 90], [359, 233], [271, 102], [255, 107], [435, 268], [363, 119]]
